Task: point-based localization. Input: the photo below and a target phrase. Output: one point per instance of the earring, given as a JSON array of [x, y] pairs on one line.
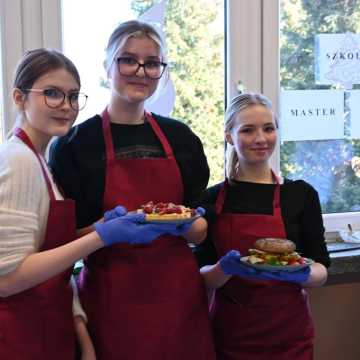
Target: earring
[[229, 139]]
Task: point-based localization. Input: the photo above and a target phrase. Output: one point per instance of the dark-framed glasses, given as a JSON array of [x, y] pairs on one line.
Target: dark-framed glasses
[[129, 66], [55, 98]]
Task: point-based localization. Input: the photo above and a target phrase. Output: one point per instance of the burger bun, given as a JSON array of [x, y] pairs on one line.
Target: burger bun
[[275, 245]]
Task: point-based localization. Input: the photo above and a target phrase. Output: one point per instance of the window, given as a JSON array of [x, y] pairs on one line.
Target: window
[[262, 35], [1, 93], [194, 33], [319, 81]]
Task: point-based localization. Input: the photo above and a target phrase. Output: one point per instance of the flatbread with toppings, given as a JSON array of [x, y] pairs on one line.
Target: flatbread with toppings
[[166, 211]]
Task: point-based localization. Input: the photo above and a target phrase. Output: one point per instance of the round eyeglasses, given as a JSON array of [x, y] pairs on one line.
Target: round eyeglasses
[[129, 66], [55, 98]]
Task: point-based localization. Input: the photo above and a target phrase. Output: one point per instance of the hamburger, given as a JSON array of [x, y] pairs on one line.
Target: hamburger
[[274, 251]]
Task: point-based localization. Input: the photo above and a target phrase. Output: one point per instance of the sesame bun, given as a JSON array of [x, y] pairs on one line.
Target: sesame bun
[[275, 245]]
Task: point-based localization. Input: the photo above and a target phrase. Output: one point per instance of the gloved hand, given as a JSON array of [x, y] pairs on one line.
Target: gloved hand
[[132, 229], [231, 265], [178, 230], [201, 211], [114, 213]]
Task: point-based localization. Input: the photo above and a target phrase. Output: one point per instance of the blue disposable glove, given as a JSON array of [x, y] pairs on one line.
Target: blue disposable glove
[[201, 211], [231, 265], [114, 213], [181, 229], [132, 229]]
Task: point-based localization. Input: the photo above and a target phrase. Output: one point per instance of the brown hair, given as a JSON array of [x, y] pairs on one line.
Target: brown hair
[[38, 62], [33, 65]]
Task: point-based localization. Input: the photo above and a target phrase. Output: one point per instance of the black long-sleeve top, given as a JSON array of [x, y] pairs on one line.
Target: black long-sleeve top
[[78, 160], [300, 208]]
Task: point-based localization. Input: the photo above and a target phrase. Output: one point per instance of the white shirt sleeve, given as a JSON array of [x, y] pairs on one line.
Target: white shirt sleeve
[[24, 208], [24, 204], [77, 308]]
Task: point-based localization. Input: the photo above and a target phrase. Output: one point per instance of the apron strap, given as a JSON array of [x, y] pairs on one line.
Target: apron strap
[[21, 134], [221, 197], [164, 142], [276, 200], [109, 146]]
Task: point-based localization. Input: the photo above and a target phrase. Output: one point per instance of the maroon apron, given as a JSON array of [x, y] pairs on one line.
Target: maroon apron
[[145, 301], [253, 319], [38, 323]]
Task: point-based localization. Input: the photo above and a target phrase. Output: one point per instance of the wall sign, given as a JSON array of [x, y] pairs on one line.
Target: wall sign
[[311, 115], [337, 59]]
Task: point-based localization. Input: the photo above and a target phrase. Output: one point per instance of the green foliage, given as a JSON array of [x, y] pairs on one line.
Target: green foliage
[[325, 164], [196, 52], [141, 6]]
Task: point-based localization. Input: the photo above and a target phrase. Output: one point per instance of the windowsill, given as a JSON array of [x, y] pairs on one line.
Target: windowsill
[[345, 263], [335, 222]]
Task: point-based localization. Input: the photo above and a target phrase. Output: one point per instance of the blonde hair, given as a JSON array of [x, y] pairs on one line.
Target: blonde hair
[[125, 31], [135, 28], [238, 104]]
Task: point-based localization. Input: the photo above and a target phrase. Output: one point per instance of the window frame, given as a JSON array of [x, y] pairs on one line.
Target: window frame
[[256, 67], [252, 44]]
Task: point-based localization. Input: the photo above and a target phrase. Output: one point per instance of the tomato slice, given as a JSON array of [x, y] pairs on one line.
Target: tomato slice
[[302, 261]]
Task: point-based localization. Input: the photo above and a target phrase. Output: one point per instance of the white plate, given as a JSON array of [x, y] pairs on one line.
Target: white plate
[[267, 267]]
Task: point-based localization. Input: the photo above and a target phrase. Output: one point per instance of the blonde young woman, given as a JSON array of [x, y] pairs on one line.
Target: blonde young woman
[[259, 314], [38, 242], [144, 302]]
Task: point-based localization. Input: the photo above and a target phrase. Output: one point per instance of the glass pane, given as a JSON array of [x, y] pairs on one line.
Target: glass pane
[[1, 97], [194, 33], [320, 63]]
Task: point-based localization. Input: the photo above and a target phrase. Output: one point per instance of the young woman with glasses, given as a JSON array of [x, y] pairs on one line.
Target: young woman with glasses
[[142, 303], [38, 243]]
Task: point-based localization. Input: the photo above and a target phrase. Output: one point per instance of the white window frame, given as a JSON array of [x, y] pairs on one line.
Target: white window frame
[[252, 45], [253, 50]]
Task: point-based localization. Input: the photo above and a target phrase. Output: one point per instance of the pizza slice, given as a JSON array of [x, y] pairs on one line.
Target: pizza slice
[[166, 211]]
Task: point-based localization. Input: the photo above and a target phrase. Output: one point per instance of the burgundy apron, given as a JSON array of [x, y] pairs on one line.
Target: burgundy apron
[[38, 323], [253, 319], [145, 301]]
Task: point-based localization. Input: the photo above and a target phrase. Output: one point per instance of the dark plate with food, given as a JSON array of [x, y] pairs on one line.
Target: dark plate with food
[[274, 254]]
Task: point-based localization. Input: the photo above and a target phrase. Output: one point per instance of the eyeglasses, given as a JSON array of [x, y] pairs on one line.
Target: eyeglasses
[[54, 98], [129, 66]]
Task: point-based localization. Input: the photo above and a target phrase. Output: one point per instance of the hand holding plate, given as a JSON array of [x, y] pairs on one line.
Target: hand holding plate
[[132, 229], [200, 211], [231, 264], [118, 211]]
